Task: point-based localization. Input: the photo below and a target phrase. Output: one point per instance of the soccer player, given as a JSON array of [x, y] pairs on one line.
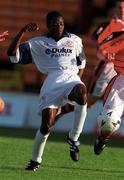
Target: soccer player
[[111, 46], [60, 55], [103, 72]]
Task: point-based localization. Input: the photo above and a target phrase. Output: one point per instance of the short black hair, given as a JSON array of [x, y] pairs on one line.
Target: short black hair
[[51, 15]]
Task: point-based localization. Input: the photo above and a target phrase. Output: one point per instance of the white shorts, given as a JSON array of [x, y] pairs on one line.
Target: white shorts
[[56, 88], [115, 99]]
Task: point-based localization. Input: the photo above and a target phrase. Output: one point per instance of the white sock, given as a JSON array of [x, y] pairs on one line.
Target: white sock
[[38, 147], [80, 113]]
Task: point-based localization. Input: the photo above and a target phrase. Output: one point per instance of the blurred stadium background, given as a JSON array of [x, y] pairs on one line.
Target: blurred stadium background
[[20, 85], [81, 16]]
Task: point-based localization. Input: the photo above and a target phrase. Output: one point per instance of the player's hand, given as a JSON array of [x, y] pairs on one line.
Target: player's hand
[[111, 56], [2, 36], [30, 27]]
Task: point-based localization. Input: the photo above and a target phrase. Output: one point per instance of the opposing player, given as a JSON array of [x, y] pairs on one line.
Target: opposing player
[[111, 46], [103, 72], [56, 54]]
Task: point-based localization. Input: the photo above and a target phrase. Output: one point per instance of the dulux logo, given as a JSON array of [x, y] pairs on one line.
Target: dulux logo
[[55, 50]]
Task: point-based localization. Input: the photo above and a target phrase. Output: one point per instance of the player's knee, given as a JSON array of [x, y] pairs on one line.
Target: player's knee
[[45, 130], [46, 126], [109, 122], [79, 94]]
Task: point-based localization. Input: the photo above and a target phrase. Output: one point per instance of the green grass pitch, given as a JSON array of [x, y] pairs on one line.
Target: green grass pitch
[[15, 151]]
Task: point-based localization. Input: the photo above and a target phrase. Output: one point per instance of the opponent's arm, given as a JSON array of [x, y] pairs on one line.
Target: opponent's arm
[[17, 39]]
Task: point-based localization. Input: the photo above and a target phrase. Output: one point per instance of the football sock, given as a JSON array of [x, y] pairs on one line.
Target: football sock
[[80, 113], [38, 147]]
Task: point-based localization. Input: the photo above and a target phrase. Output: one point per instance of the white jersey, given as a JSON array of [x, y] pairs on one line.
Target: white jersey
[[61, 60], [49, 55]]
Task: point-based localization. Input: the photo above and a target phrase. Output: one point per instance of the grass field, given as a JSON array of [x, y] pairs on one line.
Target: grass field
[[15, 151]]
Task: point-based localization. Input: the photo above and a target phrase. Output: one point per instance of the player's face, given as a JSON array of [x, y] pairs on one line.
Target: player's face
[[56, 27], [120, 10]]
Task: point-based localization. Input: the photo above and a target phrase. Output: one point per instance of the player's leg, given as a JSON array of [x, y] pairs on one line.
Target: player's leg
[[108, 123], [67, 108], [79, 95], [48, 119], [111, 115]]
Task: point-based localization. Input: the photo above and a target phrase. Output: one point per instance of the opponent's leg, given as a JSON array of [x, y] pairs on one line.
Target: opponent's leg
[[79, 95], [109, 123], [48, 116]]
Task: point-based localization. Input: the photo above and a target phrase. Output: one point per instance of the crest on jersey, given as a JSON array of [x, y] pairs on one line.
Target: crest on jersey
[[69, 44]]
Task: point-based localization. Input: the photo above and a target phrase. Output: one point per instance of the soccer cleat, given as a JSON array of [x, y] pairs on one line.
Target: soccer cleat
[[74, 149], [99, 145], [32, 166]]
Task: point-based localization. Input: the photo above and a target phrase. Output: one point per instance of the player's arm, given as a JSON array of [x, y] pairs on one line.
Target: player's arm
[[81, 63], [81, 58], [17, 39], [100, 77]]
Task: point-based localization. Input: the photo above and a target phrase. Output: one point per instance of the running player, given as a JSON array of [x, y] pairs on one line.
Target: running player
[[103, 72], [111, 46], [56, 54]]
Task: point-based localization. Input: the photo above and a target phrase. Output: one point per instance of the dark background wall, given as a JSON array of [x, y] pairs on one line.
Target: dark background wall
[[81, 17]]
